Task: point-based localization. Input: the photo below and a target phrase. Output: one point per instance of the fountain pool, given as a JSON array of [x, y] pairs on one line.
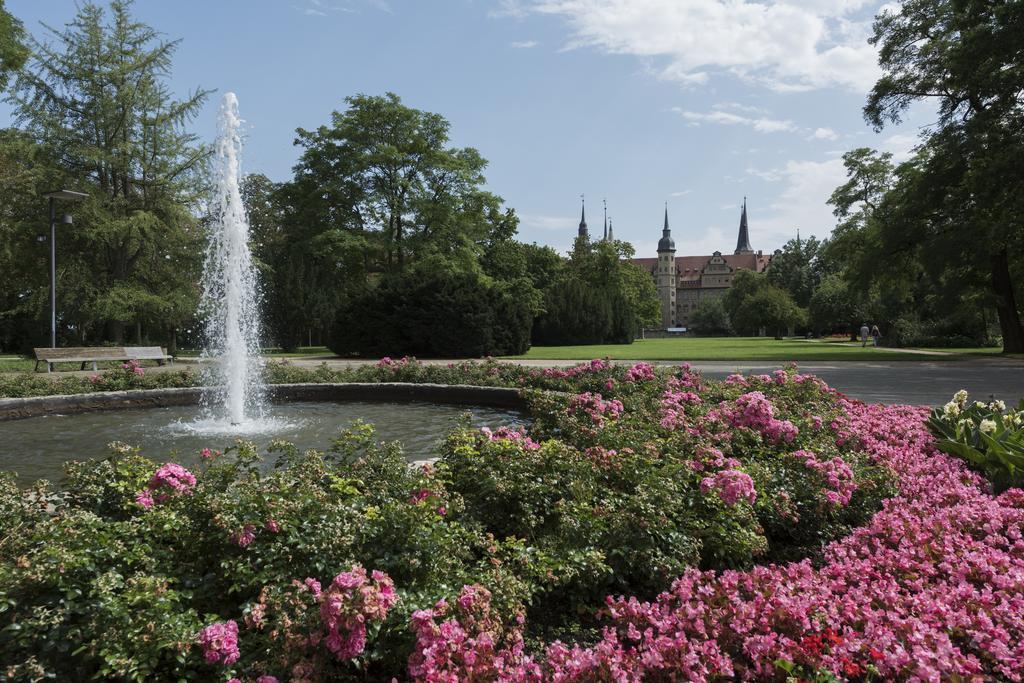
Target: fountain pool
[[38, 447]]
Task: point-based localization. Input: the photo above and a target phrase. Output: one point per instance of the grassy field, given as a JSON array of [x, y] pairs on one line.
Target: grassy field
[[737, 349]]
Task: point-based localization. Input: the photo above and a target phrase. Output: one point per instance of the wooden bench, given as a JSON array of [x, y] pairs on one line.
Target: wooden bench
[[86, 354]]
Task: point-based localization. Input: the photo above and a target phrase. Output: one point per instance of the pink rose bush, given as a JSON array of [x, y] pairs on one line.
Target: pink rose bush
[[754, 411], [931, 588], [468, 641], [596, 407], [348, 604], [170, 480], [514, 435], [731, 486], [219, 642], [647, 524]]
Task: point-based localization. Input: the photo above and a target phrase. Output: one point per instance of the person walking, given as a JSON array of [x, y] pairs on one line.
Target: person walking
[[876, 334], [864, 334]]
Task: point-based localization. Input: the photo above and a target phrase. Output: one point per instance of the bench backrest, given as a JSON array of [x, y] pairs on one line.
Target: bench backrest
[[97, 352], [145, 352], [102, 353]]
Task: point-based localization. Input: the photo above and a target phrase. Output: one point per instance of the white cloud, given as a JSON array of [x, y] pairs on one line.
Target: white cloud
[[320, 8], [680, 193], [772, 175], [901, 145], [823, 134], [761, 125], [800, 205], [556, 223], [523, 44], [740, 107], [783, 44], [510, 8]]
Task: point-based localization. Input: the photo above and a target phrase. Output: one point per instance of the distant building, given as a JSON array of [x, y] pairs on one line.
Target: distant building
[[685, 281]]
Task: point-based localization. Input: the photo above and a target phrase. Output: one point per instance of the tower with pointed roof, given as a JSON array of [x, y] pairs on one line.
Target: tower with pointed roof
[[743, 241], [611, 233], [685, 282], [666, 274], [583, 219], [604, 202]]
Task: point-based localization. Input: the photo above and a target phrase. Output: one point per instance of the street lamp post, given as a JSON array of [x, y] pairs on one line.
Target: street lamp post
[[69, 196]]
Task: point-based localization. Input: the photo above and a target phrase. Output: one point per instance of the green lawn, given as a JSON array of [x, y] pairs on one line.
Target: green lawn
[[731, 348]]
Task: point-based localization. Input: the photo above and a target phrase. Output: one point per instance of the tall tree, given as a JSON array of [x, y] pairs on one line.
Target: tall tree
[[965, 55], [797, 268], [384, 172], [13, 50], [96, 97], [753, 303]]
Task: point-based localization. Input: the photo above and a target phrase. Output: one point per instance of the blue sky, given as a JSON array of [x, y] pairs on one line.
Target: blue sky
[[694, 102]]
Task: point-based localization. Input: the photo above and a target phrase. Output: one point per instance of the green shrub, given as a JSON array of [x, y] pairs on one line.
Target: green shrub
[[439, 314], [621, 483], [988, 436]]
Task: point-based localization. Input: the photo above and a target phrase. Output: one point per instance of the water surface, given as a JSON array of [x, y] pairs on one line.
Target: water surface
[[38, 447]]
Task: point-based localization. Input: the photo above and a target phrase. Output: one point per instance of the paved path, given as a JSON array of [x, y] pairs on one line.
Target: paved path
[[914, 382]]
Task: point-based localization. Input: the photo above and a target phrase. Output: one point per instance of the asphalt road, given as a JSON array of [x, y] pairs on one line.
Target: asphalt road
[[912, 382]]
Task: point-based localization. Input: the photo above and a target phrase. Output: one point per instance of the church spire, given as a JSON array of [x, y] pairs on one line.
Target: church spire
[[611, 235], [666, 243], [743, 241], [605, 203], [583, 217]]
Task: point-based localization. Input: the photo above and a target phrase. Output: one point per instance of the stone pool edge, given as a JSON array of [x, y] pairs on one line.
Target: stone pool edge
[[452, 394]]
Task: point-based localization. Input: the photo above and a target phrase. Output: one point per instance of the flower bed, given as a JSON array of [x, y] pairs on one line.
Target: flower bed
[[763, 526]]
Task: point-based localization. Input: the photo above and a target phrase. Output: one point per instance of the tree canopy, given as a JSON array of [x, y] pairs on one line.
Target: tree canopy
[[93, 99], [959, 200]]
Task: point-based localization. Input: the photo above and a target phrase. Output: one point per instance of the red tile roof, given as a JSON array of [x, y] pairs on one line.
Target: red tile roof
[[689, 267]]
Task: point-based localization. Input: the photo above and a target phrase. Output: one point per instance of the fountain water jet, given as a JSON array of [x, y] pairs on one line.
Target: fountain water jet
[[230, 297]]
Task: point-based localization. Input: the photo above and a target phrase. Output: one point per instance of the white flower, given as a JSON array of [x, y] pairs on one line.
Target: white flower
[[1008, 419], [951, 409], [987, 426], [960, 397], [997, 405], [979, 405]]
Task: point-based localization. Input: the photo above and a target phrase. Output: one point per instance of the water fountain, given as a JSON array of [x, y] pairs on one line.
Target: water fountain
[[233, 405], [230, 297]]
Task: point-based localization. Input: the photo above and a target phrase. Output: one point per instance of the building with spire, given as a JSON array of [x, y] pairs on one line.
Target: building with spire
[[743, 241], [583, 220], [684, 282]]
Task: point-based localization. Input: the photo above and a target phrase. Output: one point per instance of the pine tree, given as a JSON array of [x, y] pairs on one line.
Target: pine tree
[[96, 97]]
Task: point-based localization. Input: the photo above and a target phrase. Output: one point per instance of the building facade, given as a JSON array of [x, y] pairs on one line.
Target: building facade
[[685, 281]]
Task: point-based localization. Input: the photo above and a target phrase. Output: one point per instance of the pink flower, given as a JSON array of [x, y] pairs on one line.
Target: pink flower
[[220, 642], [144, 498], [731, 486], [272, 526], [419, 496], [244, 537], [173, 476], [349, 603], [641, 372]]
